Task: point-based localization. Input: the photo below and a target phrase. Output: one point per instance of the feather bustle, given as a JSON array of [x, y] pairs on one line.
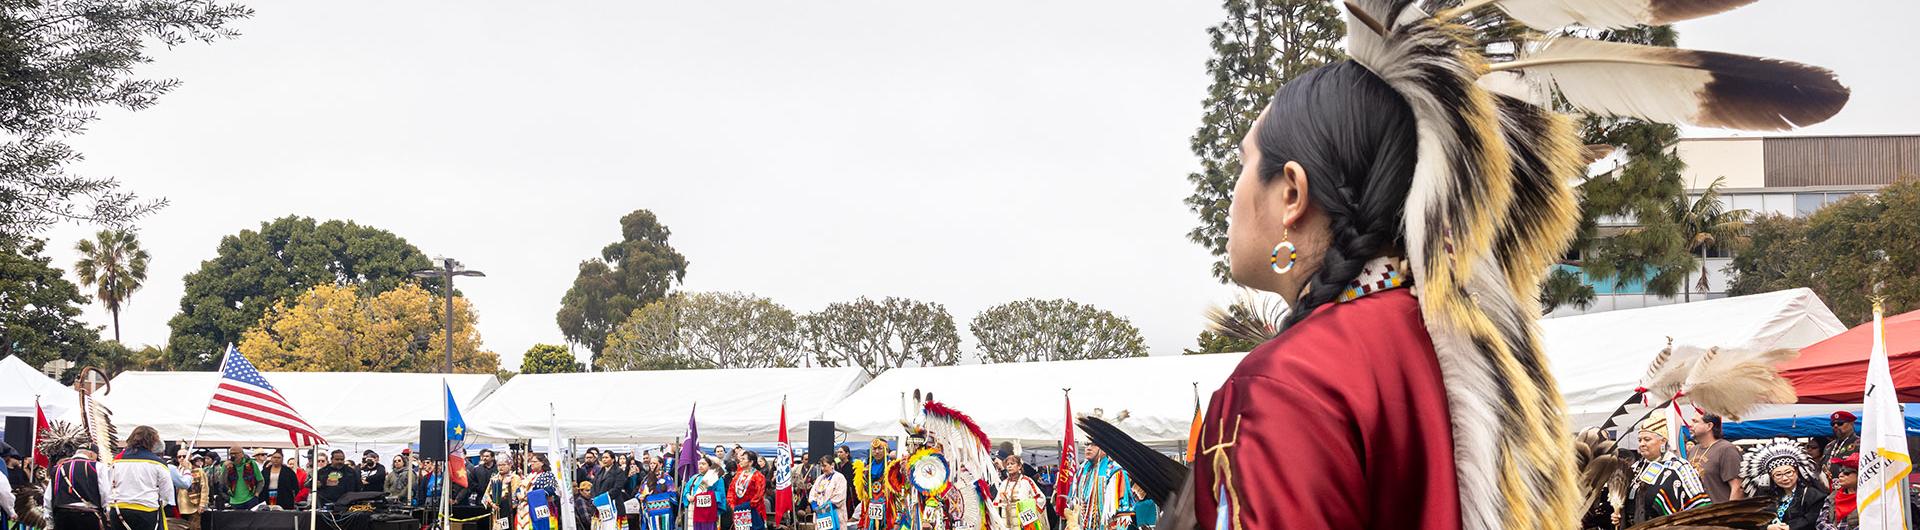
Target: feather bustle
[[1554, 14]]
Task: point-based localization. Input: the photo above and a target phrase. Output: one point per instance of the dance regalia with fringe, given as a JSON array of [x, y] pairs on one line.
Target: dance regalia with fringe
[[1664, 487], [1432, 406]]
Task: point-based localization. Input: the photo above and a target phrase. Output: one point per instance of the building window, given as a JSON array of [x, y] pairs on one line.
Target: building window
[[1779, 204], [1804, 204], [1749, 202]]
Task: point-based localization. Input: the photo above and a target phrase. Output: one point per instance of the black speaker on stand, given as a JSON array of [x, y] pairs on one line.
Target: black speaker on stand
[[819, 440], [433, 440], [20, 434]]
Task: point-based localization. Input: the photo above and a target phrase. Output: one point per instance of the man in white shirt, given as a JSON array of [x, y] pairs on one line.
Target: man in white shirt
[[142, 484]]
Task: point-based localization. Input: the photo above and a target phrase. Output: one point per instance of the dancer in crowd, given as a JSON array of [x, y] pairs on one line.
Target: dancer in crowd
[[704, 495], [1663, 483], [1020, 496], [828, 495], [748, 492], [142, 484]]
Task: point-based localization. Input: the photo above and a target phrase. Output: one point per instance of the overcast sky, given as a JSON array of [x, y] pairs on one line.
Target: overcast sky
[[966, 153]]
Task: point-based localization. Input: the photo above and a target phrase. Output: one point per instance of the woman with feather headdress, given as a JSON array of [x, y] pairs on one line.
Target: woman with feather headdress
[[1406, 213], [1780, 470]]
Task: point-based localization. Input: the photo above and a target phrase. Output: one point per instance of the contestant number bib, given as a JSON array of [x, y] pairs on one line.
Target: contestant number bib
[[704, 500], [1028, 515]]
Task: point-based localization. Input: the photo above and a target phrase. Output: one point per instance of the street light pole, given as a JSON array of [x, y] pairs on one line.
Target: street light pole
[[449, 268]]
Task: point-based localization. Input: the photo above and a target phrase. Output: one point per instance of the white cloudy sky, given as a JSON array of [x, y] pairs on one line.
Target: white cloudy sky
[[967, 153]]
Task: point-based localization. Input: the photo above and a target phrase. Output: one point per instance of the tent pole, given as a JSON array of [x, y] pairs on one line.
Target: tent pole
[[203, 411]]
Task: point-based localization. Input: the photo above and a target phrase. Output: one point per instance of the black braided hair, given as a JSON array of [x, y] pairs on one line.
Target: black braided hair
[[1355, 137]]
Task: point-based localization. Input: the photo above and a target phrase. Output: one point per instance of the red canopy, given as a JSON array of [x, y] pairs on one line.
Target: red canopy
[[1835, 370]]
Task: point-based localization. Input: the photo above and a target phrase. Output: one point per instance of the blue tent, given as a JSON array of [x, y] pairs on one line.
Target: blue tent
[[1804, 426]]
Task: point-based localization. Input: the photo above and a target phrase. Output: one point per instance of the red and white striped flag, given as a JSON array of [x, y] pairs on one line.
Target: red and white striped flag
[[243, 393]]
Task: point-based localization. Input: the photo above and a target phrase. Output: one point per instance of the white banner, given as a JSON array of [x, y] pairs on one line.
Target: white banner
[[1884, 461], [562, 459]]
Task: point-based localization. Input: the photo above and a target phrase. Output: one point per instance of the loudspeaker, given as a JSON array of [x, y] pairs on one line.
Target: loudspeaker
[[819, 440], [433, 440], [20, 434]]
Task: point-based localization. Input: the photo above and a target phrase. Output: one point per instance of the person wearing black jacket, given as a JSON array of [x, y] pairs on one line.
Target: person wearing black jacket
[[283, 483], [478, 478], [608, 480], [1801, 500], [373, 474]]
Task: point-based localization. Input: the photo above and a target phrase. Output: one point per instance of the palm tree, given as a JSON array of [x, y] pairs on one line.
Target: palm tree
[[114, 264], [1706, 223]]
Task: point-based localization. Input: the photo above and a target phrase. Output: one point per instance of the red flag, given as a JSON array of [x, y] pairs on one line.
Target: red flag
[[783, 471], [1063, 485], [40, 425]]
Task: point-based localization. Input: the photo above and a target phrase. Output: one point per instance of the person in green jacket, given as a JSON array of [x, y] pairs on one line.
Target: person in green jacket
[[242, 478]]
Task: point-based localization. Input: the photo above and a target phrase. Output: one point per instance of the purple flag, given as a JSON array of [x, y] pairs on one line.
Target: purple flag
[[689, 448]]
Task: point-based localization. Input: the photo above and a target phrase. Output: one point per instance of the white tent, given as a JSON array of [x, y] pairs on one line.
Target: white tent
[[20, 384], [738, 405], [1024, 401], [346, 407], [1600, 357]]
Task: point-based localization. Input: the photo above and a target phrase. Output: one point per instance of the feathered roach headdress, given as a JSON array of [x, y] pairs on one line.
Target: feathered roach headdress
[[1491, 207]]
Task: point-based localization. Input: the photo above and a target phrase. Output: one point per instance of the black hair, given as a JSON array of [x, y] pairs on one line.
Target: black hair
[[1355, 136], [1715, 421]]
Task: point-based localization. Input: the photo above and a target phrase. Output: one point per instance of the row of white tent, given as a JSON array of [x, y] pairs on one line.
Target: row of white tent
[[1597, 358]]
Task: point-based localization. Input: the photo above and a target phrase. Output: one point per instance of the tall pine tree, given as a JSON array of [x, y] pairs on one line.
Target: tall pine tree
[[1260, 46]]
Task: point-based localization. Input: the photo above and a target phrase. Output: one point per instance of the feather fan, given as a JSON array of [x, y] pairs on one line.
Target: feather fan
[[1600, 467], [1743, 514], [1688, 87], [1251, 317], [1730, 383], [1554, 14]]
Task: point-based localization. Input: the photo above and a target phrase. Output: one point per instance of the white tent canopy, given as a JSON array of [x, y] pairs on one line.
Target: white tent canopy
[[20, 384], [1600, 357], [346, 407], [1023, 401], [737, 405]]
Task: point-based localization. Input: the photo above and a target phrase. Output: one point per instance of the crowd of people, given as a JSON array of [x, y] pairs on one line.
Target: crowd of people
[[1810, 484]]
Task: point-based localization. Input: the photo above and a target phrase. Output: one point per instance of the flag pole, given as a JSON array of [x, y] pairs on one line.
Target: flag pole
[[446, 467], [313, 499], [203, 412]]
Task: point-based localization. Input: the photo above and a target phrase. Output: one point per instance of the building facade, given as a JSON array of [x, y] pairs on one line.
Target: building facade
[[1792, 176]]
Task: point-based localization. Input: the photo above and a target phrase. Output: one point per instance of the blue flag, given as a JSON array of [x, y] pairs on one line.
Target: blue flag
[[456, 440]]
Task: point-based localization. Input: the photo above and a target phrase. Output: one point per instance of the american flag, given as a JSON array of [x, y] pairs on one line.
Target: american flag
[[244, 394]]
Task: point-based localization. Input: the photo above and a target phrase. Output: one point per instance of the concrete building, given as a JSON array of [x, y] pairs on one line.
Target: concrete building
[[1791, 176]]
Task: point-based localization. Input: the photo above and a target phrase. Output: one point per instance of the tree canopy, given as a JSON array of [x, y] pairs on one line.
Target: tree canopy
[[629, 274], [704, 330], [257, 270], [1842, 252], [1053, 330], [879, 335], [39, 308], [337, 329], [60, 60], [550, 359], [1260, 46]]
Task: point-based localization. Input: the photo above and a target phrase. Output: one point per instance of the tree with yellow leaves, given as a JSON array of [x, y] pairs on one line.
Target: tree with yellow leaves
[[331, 328]]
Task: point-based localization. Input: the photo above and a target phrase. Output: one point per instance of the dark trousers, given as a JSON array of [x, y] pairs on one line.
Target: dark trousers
[[139, 520], [76, 520]]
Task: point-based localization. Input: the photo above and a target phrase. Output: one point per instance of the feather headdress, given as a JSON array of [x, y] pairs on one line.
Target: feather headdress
[[1491, 208], [968, 451], [1756, 468]]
